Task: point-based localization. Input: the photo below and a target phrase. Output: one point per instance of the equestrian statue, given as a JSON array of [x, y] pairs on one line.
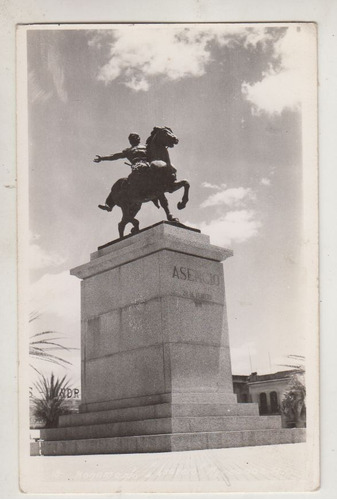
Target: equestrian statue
[[152, 175]]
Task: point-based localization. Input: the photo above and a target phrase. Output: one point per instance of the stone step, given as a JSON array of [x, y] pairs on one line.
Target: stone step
[[163, 410], [161, 426], [213, 410], [203, 398], [173, 442], [172, 398]]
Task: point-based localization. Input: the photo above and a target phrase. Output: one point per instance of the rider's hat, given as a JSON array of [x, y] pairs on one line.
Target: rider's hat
[[134, 136]]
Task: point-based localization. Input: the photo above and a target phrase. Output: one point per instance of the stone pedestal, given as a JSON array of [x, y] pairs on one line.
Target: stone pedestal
[[154, 321], [156, 371]]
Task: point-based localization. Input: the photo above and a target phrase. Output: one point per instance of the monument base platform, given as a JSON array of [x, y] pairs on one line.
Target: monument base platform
[[173, 442], [166, 427], [156, 369]]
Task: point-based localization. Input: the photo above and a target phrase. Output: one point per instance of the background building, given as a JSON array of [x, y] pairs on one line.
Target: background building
[[265, 390]]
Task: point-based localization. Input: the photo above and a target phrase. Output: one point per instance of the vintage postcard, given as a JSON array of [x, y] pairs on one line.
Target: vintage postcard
[[168, 258]]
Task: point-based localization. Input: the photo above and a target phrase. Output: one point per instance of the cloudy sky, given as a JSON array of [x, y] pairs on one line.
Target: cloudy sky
[[232, 95]]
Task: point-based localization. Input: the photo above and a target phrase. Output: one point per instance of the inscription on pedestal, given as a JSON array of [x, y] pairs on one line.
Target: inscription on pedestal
[[188, 274], [198, 297]]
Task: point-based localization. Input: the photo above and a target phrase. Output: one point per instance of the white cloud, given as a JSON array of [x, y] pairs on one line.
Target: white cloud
[[142, 54], [138, 83], [235, 227], [230, 197], [56, 72], [53, 79], [285, 83], [213, 186], [37, 93], [57, 296], [243, 358], [265, 181], [138, 54], [256, 36], [40, 258]]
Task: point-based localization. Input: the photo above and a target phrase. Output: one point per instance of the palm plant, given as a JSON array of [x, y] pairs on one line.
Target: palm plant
[[52, 400], [41, 344]]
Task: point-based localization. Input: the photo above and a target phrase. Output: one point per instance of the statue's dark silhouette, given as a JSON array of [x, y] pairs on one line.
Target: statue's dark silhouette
[[152, 176], [135, 154]]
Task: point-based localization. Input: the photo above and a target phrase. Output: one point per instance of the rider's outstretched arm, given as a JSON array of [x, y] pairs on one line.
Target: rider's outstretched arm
[[116, 156]]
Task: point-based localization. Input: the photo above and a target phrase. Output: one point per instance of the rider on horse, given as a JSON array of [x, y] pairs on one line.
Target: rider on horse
[[137, 157], [135, 154], [152, 176]]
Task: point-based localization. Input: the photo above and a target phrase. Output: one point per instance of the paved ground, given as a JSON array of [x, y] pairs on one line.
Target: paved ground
[[260, 468]]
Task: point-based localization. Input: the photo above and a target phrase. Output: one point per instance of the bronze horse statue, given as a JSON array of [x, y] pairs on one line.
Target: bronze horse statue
[[149, 182]]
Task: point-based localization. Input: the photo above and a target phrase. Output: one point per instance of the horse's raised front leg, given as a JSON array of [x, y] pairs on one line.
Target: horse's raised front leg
[[164, 203], [177, 185]]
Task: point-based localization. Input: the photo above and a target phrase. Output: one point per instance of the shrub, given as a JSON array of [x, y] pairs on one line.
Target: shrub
[[293, 402], [52, 400]]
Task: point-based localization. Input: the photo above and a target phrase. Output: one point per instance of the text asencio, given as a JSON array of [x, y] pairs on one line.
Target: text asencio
[[188, 274]]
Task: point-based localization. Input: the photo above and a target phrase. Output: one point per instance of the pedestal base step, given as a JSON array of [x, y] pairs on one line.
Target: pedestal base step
[[163, 410], [173, 398], [161, 426], [173, 442]]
